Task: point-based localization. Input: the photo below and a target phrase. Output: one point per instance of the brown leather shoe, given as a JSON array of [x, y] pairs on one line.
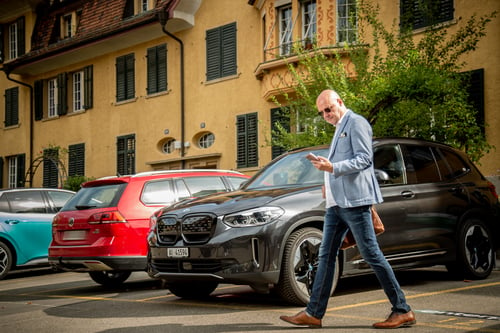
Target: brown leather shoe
[[302, 319], [396, 320]]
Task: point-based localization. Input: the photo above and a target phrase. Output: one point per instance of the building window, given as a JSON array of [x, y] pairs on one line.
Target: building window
[[168, 147], [221, 51], [50, 168], [247, 140], [125, 155], [16, 44], [347, 21], [16, 170], [416, 14], [206, 140], [76, 160], [285, 29], [474, 81], [11, 106], [52, 98], [78, 91], [309, 25], [67, 27], [13, 40], [125, 77], [142, 6], [157, 69]]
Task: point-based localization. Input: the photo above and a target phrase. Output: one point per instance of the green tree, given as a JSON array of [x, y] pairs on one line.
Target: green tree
[[404, 86]]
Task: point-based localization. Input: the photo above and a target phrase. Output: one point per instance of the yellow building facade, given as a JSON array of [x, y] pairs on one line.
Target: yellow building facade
[[113, 87]]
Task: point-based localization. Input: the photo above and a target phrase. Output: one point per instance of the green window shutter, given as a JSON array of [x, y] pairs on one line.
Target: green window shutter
[[278, 117], [229, 50], [21, 44], [213, 54], [21, 162], [162, 67], [38, 99], [246, 140], [12, 106], [125, 77], [62, 93], [418, 14], [76, 160], [221, 51], [157, 69], [50, 168], [151, 70], [88, 73], [130, 76], [120, 79], [125, 155]]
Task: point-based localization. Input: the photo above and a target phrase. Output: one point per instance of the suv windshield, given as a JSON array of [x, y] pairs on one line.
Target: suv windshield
[[96, 197], [292, 170]]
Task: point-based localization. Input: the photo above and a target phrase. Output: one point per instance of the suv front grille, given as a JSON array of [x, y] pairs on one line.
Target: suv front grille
[[194, 229], [192, 266]]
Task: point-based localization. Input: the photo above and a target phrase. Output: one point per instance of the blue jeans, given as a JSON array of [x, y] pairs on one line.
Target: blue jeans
[[337, 222]]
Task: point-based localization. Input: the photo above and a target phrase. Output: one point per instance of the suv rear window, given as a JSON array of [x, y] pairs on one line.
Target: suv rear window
[[96, 197]]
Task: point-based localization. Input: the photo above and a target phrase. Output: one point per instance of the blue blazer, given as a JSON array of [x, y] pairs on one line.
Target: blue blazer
[[353, 182]]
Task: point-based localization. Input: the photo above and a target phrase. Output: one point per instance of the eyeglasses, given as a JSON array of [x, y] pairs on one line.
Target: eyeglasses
[[325, 110]]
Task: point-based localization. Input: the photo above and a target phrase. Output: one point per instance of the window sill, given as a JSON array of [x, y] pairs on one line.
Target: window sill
[[127, 101], [12, 126], [222, 79], [160, 93]]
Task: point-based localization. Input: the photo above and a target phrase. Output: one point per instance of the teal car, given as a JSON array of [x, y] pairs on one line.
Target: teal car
[[26, 225]]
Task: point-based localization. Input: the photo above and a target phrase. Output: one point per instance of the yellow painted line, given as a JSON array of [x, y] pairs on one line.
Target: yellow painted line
[[433, 293]]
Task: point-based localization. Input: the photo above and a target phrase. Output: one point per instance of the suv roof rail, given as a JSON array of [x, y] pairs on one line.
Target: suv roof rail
[[161, 172]]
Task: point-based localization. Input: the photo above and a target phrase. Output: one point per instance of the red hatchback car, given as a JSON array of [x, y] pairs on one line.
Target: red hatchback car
[[102, 230]]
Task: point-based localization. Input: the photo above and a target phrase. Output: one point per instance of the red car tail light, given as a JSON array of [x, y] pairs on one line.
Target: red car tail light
[[107, 217]]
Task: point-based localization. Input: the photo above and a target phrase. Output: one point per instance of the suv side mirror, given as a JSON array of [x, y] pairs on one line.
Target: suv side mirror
[[382, 176]]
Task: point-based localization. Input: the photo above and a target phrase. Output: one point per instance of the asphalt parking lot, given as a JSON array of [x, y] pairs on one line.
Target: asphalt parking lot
[[71, 302]]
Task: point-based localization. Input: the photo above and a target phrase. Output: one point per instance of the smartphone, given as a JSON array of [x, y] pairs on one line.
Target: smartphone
[[312, 157]]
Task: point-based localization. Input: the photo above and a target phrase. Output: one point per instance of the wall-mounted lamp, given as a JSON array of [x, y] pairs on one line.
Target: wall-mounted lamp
[[202, 125]]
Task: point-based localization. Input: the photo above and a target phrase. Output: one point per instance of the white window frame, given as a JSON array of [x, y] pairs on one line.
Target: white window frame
[[78, 91], [13, 41], [309, 20], [13, 172], [343, 22], [142, 6], [52, 98], [285, 29], [67, 26], [206, 140]]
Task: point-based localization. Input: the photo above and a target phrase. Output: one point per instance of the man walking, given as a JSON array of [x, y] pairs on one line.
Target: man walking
[[350, 189]]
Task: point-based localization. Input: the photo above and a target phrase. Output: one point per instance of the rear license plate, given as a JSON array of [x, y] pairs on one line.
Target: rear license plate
[[177, 252], [74, 235]]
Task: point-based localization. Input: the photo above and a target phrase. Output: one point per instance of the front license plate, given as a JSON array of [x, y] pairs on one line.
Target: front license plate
[[177, 252], [74, 235]]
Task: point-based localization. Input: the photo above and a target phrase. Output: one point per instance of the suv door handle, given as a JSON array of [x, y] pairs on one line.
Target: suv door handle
[[11, 222], [407, 194]]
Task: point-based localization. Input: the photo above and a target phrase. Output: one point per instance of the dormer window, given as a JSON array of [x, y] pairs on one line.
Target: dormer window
[[67, 27], [143, 6], [69, 24]]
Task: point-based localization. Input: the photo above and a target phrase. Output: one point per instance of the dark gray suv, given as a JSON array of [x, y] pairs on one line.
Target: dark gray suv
[[437, 209]]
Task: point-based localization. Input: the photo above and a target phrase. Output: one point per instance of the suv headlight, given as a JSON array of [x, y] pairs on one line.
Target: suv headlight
[[253, 217]]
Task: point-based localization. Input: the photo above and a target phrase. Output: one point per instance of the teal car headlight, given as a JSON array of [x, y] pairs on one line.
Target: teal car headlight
[[253, 217]]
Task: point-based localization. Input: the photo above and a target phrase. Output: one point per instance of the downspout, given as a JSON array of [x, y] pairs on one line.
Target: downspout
[[163, 18], [31, 121]]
